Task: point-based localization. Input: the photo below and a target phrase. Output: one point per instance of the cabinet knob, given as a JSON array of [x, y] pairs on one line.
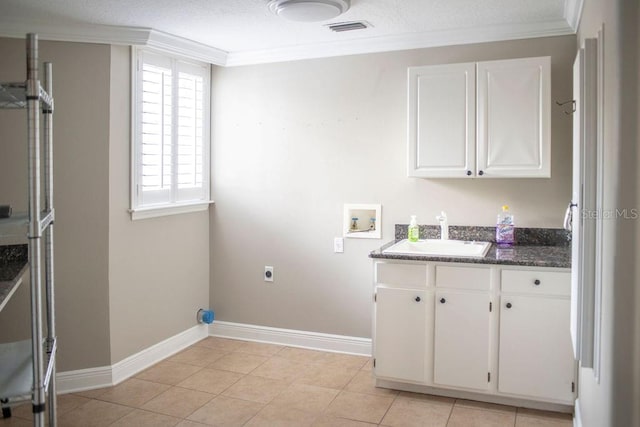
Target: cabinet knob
[[469, 173], [481, 173], [536, 282], [418, 299], [509, 305], [442, 300]]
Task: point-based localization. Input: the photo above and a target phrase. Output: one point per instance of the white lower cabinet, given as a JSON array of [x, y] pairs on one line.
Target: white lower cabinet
[[403, 313], [401, 333], [461, 342], [535, 357], [489, 329]]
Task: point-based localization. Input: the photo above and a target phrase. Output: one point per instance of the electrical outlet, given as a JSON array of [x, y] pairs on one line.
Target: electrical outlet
[[338, 245], [268, 273]]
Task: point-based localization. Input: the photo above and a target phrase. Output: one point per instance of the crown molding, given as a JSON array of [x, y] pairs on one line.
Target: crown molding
[[573, 13], [181, 46], [402, 42], [148, 37], [105, 34]]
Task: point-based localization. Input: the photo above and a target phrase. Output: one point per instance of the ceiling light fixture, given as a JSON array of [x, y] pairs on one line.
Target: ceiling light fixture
[[308, 10]]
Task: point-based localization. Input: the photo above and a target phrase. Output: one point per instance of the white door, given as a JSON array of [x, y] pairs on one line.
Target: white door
[[461, 342], [583, 243], [400, 333], [535, 357], [576, 205], [514, 133], [441, 119]]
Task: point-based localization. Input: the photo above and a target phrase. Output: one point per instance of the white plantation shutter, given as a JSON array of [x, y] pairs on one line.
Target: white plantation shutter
[[171, 155], [190, 134], [155, 133]]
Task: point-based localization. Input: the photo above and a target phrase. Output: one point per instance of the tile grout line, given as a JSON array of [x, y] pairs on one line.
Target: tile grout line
[[198, 408], [387, 411], [453, 405], [303, 358], [270, 357]]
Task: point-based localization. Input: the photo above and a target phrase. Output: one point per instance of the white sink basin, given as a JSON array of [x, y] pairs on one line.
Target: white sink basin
[[437, 247]]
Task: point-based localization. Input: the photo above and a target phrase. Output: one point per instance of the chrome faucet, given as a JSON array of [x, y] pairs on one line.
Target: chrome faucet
[[444, 225]]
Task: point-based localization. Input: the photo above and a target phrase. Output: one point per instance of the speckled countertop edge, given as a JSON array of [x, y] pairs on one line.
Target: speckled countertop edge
[[13, 266], [538, 247]]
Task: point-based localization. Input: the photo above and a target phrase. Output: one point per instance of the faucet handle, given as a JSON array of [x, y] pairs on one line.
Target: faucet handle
[[444, 225]]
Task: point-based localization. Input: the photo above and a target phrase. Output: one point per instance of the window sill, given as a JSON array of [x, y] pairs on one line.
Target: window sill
[[166, 210]]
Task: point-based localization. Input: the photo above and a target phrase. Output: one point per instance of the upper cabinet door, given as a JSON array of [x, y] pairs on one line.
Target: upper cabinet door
[[442, 125], [513, 101]]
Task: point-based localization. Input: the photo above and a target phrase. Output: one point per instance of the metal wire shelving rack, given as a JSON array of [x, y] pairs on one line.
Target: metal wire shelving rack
[[28, 368]]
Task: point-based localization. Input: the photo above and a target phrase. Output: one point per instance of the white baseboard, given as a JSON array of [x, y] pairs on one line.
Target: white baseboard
[[83, 379], [577, 416], [106, 376], [140, 361], [294, 338]]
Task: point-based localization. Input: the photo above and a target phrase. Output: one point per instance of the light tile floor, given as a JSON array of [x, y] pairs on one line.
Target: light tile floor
[[223, 382]]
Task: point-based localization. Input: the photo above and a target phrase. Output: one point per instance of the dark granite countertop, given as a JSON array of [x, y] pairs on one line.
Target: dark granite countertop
[[534, 247], [13, 265]]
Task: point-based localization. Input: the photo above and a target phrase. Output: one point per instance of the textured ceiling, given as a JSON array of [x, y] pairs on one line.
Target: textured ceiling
[[238, 26]]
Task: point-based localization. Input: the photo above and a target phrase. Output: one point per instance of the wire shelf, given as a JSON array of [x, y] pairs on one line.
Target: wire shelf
[[14, 96]]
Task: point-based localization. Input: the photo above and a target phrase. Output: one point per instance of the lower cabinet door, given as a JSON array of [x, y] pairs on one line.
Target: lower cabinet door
[[461, 341], [400, 333], [536, 358]]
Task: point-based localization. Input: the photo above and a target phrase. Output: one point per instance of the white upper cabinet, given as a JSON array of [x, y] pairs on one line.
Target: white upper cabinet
[[442, 120], [514, 132], [487, 119]]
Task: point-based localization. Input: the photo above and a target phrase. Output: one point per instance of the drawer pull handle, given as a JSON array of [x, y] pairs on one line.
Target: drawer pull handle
[[509, 305], [536, 282], [442, 300], [418, 299]]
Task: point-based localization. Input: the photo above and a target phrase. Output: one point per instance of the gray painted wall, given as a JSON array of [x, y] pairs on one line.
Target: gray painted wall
[[81, 156], [613, 401], [159, 267], [293, 142], [122, 286]]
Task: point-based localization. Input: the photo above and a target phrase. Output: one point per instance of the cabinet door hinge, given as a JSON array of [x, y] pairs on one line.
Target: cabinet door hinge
[[488, 377], [573, 387], [490, 306]]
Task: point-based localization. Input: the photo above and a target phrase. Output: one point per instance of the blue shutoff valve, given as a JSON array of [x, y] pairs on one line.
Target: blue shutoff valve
[[205, 316]]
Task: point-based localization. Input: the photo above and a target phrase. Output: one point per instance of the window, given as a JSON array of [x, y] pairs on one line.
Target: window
[[170, 167]]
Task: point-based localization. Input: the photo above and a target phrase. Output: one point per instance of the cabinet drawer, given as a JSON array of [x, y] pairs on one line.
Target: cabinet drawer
[[532, 281], [411, 275], [478, 278]]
